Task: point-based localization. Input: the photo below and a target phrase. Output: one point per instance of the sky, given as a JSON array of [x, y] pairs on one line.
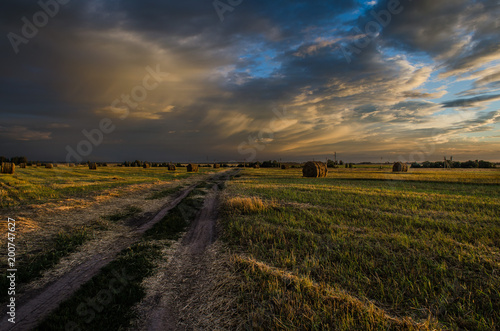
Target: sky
[[232, 80]]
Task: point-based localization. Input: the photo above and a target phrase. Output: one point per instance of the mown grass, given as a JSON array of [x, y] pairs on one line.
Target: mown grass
[[164, 193], [129, 211], [94, 306], [425, 248], [62, 245], [104, 302], [38, 185]]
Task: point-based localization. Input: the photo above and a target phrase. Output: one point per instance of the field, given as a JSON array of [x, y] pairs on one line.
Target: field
[[367, 249], [58, 210], [361, 249]]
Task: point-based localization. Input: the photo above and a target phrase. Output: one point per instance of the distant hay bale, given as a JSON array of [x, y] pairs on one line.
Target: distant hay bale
[[71, 165], [22, 165], [8, 168], [192, 167], [256, 166], [55, 165], [49, 166], [171, 167], [285, 166], [146, 166], [400, 167], [216, 165], [314, 169], [93, 166]]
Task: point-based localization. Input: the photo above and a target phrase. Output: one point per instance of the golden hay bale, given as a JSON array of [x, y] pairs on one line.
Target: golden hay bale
[[192, 167], [8, 168], [93, 166], [71, 165], [216, 165], [171, 167], [146, 166], [22, 165], [256, 166], [49, 166], [314, 169], [400, 167], [285, 166]]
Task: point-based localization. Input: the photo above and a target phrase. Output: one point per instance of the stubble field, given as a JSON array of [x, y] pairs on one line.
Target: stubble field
[[367, 249], [361, 249]]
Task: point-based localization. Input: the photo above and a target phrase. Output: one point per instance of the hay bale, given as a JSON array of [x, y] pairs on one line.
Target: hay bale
[[256, 166], [171, 167], [192, 167], [8, 168], [146, 166], [55, 165], [216, 165], [314, 169], [285, 166], [22, 165], [93, 166], [400, 167], [71, 165], [49, 166]]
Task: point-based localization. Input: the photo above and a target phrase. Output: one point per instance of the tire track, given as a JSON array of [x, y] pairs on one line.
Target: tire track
[[32, 307]]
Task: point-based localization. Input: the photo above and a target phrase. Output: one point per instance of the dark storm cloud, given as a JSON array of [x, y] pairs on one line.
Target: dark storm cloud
[[225, 78], [470, 102], [461, 33]]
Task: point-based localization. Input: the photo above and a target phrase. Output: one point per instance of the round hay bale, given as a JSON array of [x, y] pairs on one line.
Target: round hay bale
[[71, 165], [49, 166], [314, 169], [93, 166], [146, 166], [192, 167], [216, 165], [285, 166], [256, 166], [171, 167], [8, 168], [400, 167], [22, 165]]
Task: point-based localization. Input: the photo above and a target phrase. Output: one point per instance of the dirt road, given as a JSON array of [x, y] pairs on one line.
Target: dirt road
[[185, 271], [35, 305]]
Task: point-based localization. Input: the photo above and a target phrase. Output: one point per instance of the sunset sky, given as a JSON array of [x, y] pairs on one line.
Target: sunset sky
[[255, 80]]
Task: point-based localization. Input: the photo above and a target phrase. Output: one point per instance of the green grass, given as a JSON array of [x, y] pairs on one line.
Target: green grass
[[164, 193], [423, 245], [39, 185], [137, 262], [130, 211], [62, 245], [102, 305]]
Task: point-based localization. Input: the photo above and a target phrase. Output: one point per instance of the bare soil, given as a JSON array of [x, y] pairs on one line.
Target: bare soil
[[191, 289]]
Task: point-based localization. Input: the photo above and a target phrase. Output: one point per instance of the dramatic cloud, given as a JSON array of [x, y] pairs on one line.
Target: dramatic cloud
[[274, 79], [471, 102]]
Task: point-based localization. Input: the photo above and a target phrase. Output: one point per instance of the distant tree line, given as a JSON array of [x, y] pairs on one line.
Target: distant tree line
[[16, 159], [334, 164], [455, 164]]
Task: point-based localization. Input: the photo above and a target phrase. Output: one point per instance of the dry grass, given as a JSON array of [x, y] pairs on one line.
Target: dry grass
[[248, 205], [422, 245], [299, 303]]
